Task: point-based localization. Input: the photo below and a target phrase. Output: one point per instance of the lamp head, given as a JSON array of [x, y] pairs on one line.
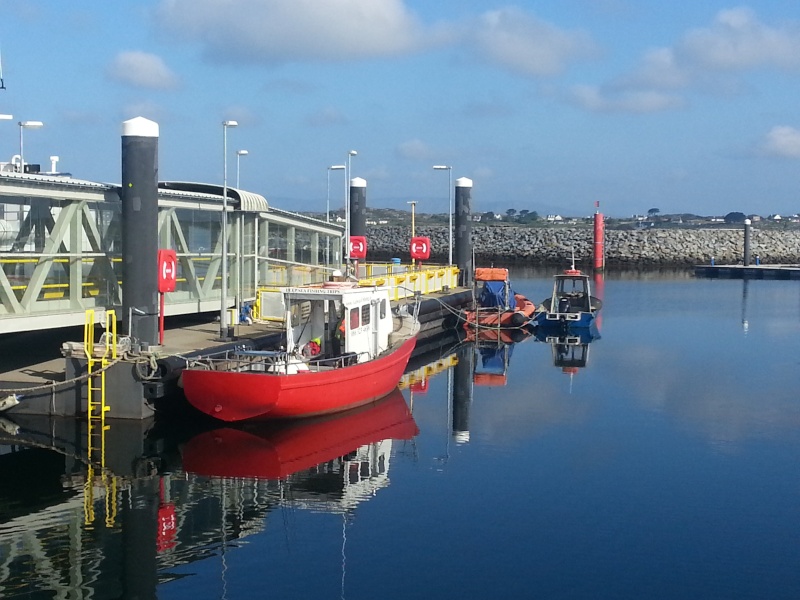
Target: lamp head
[[441, 167], [31, 124], [230, 123], [336, 167], [352, 153], [242, 153]]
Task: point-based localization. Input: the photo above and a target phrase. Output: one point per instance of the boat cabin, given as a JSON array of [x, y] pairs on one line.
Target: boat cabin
[[337, 319], [571, 294]]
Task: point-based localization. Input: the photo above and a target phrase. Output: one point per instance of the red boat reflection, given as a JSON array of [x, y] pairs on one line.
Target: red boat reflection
[[274, 450]]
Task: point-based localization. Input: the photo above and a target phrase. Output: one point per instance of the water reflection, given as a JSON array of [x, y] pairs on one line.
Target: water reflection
[[677, 449], [321, 446]]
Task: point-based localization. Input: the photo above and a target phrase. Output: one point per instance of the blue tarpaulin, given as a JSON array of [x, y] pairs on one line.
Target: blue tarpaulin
[[493, 294]]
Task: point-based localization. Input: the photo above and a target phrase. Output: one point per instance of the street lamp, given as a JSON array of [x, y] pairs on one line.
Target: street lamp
[[239, 154], [223, 311], [413, 204], [347, 206], [328, 201], [449, 210], [22, 126]]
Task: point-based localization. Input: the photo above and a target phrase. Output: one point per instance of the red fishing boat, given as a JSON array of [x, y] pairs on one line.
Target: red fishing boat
[[345, 347], [496, 305], [271, 450]]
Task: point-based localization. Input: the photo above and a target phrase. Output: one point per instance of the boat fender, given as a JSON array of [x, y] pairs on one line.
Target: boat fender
[[9, 402], [518, 319]]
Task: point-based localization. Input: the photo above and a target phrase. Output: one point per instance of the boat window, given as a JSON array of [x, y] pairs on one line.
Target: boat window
[[365, 314], [354, 318], [383, 309]]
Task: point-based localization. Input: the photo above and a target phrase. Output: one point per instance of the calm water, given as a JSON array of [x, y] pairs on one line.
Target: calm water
[[666, 467]]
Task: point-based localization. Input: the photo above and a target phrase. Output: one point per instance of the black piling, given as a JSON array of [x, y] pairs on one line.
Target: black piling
[[747, 235], [140, 229], [358, 206], [463, 231]]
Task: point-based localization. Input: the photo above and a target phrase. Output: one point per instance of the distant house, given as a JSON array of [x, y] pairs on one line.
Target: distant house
[[554, 218]]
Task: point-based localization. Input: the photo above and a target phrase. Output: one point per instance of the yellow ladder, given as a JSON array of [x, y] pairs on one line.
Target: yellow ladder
[[96, 409]]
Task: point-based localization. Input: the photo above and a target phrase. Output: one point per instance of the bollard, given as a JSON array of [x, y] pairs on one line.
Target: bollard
[[712, 261]]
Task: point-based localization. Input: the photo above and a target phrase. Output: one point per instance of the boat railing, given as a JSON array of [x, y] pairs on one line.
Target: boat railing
[[239, 360]]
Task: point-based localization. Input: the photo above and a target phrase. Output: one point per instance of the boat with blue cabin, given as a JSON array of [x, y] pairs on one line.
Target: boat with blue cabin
[[571, 305]]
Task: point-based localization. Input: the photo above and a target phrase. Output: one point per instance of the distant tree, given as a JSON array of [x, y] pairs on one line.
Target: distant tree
[[653, 212], [487, 217], [735, 217], [511, 212], [523, 212]]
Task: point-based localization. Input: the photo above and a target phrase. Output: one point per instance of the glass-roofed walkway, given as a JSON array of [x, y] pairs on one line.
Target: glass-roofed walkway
[[61, 248]]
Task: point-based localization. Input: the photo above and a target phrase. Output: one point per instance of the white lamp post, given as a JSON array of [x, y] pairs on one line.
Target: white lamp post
[[449, 210], [347, 207], [223, 311], [239, 155], [22, 126], [413, 204], [328, 201]]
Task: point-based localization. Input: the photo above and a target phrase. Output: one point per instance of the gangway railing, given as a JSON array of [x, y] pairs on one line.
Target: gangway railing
[[403, 281]]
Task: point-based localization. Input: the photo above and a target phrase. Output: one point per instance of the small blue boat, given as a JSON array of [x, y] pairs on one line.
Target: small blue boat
[[571, 306]]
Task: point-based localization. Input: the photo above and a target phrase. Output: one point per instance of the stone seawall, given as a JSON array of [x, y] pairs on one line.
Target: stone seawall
[[624, 248]]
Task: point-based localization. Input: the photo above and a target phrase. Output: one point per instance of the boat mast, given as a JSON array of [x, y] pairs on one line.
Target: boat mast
[[2, 84]]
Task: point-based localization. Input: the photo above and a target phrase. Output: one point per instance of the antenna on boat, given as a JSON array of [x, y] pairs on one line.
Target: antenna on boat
[[2, 84], [573, 258]]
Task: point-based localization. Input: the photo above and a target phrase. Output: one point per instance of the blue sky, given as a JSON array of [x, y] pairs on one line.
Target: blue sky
[[546, 106]]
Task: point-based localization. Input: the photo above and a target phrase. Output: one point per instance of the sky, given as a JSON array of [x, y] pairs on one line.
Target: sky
[[548, 106]]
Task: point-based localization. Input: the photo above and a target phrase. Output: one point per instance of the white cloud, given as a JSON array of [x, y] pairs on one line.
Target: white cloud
[[738, 40], [704, 59], [658, 69], [143, 70], [782, 140], [415, 150], [518, 41], [276, 31], [642, 101]]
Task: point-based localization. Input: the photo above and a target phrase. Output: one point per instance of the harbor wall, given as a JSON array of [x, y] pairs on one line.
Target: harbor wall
[[655, 247]]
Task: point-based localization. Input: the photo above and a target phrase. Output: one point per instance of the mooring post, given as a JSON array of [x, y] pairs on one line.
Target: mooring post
[[463, 235], [747, 233], [358, 206], [140, 229]]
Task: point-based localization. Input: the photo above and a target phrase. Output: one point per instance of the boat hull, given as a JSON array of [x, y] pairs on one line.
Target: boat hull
[[564, 320], [507, 319], [237, 396]]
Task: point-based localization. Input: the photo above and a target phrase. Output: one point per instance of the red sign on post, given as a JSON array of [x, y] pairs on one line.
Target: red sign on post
[[420, 248], [167, 270], [358, 246]]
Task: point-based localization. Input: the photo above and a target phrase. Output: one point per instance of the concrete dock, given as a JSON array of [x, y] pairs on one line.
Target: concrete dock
[[748, 272]]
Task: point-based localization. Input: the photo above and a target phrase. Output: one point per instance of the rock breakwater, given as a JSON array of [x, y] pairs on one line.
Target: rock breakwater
[[647, 247]]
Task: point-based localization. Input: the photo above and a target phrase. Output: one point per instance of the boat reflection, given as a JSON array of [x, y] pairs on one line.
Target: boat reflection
[[571, 351], [270, 450]]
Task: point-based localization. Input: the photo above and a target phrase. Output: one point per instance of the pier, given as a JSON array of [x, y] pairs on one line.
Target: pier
[[131, 281]]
